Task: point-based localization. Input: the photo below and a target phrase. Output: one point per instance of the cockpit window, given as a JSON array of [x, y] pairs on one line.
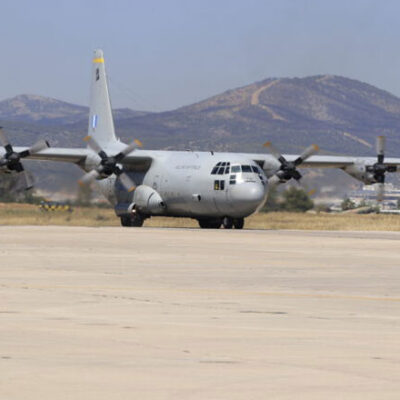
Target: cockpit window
[[246, 168], [235, 169], [255, 169], [221, 168]]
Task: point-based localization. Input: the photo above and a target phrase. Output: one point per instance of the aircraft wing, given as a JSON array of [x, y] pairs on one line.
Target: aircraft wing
[[321, 161], [340, 161], [133, 162], [71, 155]]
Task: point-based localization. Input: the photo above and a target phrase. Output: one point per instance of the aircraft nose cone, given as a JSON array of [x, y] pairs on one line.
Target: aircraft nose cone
[[248, 196]]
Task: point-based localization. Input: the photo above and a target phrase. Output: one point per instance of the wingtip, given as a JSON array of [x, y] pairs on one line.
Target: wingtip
[[138, 142], [87, 138], [267, 144]]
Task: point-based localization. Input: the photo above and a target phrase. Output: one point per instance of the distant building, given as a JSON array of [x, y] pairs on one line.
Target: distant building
[[368, 194]]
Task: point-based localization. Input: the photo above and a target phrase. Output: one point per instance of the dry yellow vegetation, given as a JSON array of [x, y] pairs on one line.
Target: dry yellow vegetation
[[26, 214]]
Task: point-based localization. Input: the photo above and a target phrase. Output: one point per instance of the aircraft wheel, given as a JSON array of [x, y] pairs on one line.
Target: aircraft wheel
[[137, 220], [238, 223], [210, 223], [126, 221], [132, 220], [227, 223]]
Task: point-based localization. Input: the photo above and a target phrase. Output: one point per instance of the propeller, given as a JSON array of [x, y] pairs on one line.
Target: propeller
[[288, 169], [12, 159], [379, 169], [109, 164]]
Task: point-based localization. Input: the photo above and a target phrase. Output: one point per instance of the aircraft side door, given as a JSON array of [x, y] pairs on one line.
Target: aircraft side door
[[220, 192]]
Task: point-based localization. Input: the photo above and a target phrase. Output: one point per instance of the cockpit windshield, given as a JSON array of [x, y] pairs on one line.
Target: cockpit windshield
[[221, 168], [236, 169], [224, 168]]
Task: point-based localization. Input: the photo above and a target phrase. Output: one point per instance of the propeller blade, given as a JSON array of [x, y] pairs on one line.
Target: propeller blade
[[308, 152], [92, 143], [380, 192], [380, 148], [296, 175], [275, 152], [128, 149], [39, 146], [36, 148], [274, 180], [89, 177], [27, 180], [127, 182], [311, 192]]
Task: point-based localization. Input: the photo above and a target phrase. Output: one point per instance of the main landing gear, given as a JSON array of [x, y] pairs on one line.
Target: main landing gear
[[135, 219], [226, 222]]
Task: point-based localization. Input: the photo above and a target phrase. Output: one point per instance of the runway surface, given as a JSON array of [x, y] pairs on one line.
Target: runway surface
[[113, 313]]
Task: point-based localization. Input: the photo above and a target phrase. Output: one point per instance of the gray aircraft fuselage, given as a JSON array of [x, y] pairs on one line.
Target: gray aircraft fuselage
[[197, 184]]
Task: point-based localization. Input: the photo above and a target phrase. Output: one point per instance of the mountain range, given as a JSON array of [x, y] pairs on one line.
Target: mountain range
[[341, 115]]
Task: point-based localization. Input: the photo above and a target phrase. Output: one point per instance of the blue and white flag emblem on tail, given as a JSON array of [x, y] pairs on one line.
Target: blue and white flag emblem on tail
[[100, 121], [94, 121]]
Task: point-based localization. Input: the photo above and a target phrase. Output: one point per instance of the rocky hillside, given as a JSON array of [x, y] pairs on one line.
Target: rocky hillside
[[341, 115], [48, 111]]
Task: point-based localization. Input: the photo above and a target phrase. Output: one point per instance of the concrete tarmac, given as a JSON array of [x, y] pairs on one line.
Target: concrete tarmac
[[113, 313]]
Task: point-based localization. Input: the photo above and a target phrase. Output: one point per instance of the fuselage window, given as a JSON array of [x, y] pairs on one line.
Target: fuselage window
[[255, 169], [219, 185], [232, 180], [246, 168]]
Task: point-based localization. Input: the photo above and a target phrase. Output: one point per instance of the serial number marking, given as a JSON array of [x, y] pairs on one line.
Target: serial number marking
[[187, 167]]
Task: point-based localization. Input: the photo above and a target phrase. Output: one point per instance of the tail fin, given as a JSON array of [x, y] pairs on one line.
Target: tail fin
[[101, 124]]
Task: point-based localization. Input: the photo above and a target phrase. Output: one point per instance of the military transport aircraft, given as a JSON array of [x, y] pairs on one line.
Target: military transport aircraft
[[217, 189]]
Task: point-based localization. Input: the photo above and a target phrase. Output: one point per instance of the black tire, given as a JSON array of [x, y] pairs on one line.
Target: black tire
[[126, 221], [203, 223], [238, 223], [132, 220], [137, 220], [227, 223], [210, 223]]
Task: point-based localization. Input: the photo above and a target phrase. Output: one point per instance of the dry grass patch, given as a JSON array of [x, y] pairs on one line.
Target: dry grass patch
[[26, 214], [325, 222]]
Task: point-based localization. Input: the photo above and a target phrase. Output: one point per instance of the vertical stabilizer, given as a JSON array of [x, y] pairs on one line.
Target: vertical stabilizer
[[101, 124]]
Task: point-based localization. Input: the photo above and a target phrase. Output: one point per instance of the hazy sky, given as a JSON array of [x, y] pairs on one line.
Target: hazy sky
[[165, 54]]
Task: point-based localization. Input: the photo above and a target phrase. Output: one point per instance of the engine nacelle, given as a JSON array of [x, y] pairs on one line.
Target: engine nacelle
[[148, 200], [91, 162], [359, 171]]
